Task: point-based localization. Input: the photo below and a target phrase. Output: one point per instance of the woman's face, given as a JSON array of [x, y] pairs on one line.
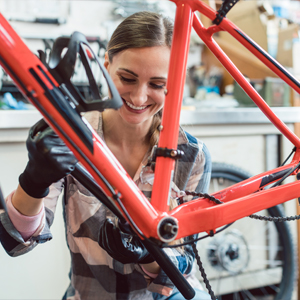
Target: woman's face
[[140, 76]]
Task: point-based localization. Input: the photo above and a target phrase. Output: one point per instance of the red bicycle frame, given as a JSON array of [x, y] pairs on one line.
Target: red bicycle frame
[[240, 200]]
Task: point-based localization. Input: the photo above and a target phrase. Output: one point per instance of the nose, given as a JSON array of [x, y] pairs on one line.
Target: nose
[[139, 94]]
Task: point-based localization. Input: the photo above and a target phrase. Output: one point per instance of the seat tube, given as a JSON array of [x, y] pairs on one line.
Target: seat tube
[[171, 113]]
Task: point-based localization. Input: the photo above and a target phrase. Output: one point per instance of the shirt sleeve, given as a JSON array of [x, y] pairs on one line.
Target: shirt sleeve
[[26, 225], [12, 240], [199, 179], [204, 181]]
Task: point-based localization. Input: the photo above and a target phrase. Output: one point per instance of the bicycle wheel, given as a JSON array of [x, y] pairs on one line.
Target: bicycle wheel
[[251, 259]]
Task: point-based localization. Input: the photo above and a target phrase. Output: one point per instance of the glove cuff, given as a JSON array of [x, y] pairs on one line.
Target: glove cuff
[[147, 259], [31, 188]]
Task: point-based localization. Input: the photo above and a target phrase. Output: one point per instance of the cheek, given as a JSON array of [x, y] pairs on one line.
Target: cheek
[[115, 80], [160, 98], [122, 89]]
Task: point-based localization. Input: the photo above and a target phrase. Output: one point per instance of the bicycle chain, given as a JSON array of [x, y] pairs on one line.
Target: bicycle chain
[[274, 219], [197, 256], [202, 271], [204, 195], [254, 216]]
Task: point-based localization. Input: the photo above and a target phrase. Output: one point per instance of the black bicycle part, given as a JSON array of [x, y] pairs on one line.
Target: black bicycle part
[[286, 175], [204, 195], [203, 273], [170, 269], [165, 152], [191, 241], [57, 99], [224, 9], [289, 156], [62, 69], [284, 289]]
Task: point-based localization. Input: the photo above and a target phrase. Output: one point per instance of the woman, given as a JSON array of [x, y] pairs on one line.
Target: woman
[[103, 267]]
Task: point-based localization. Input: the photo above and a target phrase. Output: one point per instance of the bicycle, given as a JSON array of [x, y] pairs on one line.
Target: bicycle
[[52, 93]]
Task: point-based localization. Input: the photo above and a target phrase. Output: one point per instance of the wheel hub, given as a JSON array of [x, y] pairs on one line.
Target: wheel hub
[[229, 252]]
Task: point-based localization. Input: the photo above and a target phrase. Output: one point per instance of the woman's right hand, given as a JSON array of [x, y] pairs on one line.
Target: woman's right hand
[[49, 160]]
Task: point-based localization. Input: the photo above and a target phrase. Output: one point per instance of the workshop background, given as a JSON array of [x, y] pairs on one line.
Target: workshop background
[[215, 109]]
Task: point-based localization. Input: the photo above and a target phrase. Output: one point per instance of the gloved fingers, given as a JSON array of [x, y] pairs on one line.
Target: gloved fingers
[[41, 131], [49, 160], [49, 145], [125, 227], [109, 237], [39, 126], [36, 135], [111, 241], [46, 140], [122, 246], [53, 146], [105, 232], [34, 132]]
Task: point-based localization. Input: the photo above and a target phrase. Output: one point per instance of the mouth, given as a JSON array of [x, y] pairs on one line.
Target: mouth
[[134, 108]]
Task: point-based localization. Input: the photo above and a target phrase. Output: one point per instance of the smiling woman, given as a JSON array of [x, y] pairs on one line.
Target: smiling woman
[[137, 32], [140, 76], [105, 260]]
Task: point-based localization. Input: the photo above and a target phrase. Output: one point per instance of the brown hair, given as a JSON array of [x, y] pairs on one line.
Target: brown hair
[[142, 29]]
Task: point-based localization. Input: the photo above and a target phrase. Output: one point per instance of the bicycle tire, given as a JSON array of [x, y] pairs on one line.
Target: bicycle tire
[[285, 260]]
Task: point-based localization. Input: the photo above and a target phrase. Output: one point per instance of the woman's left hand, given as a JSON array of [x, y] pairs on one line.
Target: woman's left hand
[[121, 246]]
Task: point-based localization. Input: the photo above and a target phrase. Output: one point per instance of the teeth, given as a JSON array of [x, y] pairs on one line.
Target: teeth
[[135, 107]]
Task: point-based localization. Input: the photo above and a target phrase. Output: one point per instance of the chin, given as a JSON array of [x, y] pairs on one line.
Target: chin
[[137, 120]]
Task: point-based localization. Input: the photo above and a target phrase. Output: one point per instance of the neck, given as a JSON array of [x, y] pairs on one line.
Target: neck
[[116, 131]]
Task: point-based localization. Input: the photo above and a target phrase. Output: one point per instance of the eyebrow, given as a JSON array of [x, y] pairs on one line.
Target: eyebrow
[[136, 75], [126, 70]]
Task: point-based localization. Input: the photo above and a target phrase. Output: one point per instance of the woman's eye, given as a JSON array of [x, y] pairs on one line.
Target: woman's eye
[[157, 86], [125, 79]]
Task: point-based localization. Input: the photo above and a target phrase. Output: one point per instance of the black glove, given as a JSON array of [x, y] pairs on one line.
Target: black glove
[[123, 247], [49, 160]]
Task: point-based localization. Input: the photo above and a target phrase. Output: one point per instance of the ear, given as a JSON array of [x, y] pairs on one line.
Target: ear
[[106, 61]]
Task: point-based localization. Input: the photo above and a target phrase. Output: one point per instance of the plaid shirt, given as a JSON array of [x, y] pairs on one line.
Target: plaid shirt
[[94, 274]]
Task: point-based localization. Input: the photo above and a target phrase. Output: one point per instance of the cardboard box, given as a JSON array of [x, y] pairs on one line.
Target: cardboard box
[[247, 15], [286, 37], [296, 58]]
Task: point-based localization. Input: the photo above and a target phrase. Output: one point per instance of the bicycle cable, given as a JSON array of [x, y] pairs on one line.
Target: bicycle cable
[[286, 175], [294, 150], [279, 219], [197, 239]]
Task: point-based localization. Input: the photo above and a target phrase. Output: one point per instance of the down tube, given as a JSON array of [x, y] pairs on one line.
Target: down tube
[[40, 88], [171, 113], [205, 35]]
